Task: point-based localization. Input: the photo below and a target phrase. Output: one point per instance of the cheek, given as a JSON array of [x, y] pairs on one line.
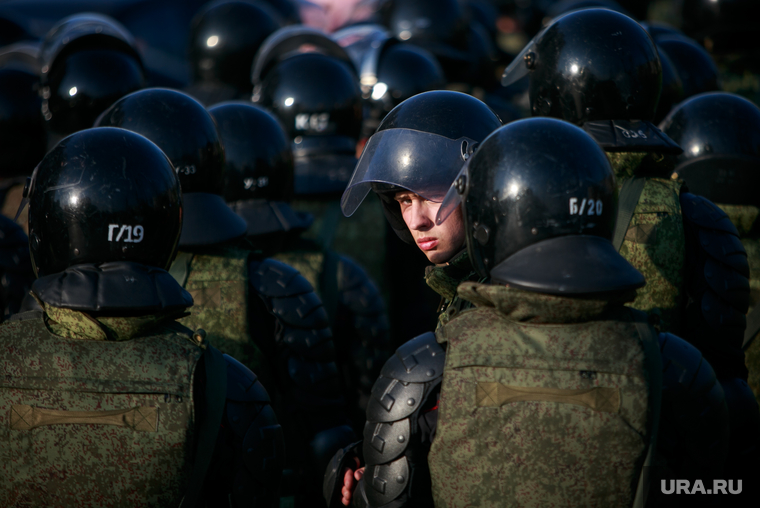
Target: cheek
[[454, 227]]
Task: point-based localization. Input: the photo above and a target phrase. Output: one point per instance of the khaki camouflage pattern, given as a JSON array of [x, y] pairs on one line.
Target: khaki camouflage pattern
[[144, 463], [444, 279], [654, 243], [361, 237], [536, 453], [745, 219], [219, 286]]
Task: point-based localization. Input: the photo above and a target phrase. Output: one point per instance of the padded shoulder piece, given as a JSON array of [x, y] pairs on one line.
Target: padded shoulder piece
[[694, 420], [304, 365], [277, 280], [255, 448], [408, 387], [716, 285]]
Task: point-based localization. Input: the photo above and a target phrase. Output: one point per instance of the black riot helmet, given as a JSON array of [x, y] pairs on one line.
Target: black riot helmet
[[694, 65], [103, 195], [438, 25], [389, 71], [259, 175], [720, 135], [420, 146], [224, 38], [23, 137], [88, 61], [187, 134], [722, 25], [540, 203], [606, 80], [318, 100]]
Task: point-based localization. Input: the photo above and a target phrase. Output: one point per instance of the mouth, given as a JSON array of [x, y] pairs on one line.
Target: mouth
[[427, 243]]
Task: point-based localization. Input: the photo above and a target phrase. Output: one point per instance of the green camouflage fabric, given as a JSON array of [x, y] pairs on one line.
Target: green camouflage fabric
[[745, 218], [654, 243], [444, 279], [218, 283], [145, 376], [309, 263], [360, 237], [490, 451]]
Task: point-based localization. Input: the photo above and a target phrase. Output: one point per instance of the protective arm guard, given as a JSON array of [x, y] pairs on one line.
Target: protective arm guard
[[401, 417], [303, 357], [246, 469], [717, 286], [694, 422], [360, 331]]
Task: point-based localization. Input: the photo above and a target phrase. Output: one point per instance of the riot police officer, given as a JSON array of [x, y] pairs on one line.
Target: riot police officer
[[720, 134], [151, 412], [410, 163], [224, 38], [491, 429], [254, 308], [259, 186], [87, 62]]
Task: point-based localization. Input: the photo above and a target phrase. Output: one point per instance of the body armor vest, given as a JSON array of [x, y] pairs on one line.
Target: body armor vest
[[219, 286], [654, 242], [545, 401], [95, 423]]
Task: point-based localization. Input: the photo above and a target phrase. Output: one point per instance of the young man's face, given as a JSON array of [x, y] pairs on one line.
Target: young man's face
[[439, 243]]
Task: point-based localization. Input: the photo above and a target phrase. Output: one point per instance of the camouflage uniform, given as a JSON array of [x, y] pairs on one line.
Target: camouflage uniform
[[444, 279], [745, 218], [351, 236], [654, 242], [133, 375], [268, 313], [534, 453], [740, 75]]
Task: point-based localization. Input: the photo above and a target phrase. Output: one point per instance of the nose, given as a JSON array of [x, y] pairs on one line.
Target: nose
[[419, 219]]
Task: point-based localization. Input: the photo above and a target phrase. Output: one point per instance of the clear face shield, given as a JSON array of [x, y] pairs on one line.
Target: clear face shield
[[455, 195], [420, 162]]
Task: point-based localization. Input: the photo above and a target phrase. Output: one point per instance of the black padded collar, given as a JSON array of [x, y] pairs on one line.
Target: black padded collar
[[118, 286]]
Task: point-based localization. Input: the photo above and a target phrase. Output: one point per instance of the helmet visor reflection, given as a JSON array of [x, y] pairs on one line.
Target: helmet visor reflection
[[454, 196], [420, 162]]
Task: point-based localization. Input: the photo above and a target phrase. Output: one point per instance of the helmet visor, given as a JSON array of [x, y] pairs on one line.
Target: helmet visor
[[420, 162], [454, 196]]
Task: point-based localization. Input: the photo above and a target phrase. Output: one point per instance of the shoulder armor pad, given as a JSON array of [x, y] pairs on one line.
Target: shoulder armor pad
[[385, 441], [683, 367], [393, 400], [728, 283], [726, 248], [385, 482], [358, 292], [310, 375], [313, 344], [722, 316], [418, 361], [703, 212], [303, 311], [275, 279], [242, 383]]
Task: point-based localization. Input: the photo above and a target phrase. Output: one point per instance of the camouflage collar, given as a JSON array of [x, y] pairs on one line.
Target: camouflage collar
[[629, 164], [444, 279], [526, 306], [73, 324]]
